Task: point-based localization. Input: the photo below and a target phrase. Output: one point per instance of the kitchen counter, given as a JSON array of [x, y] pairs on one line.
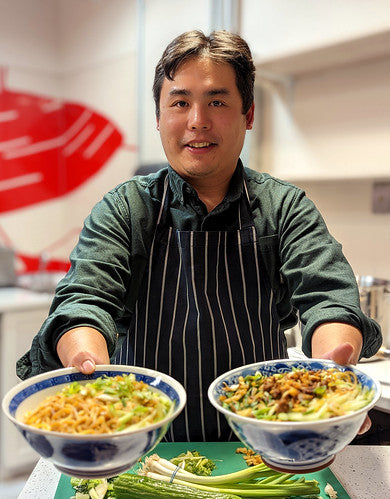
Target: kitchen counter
[[14, 298], [364, 472], [22, 313], [380, 370]]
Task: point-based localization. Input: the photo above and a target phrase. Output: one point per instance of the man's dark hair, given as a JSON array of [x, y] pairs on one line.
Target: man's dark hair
[[220, 46]]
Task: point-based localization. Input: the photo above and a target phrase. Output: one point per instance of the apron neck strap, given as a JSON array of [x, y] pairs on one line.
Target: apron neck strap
[[164, 201], [245, 218]]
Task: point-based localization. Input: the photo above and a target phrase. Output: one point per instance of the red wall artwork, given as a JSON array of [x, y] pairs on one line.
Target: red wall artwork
[[48, 148]]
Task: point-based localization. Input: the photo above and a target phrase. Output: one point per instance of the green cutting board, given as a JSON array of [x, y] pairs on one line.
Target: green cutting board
[[224, 454]]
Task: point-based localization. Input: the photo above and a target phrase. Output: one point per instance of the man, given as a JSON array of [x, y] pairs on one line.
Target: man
[[200, 267]]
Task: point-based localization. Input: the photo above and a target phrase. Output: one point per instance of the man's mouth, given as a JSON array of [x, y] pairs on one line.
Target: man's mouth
[[200, 145]]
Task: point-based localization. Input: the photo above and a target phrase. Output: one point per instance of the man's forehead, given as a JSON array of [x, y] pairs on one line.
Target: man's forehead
[[215, 78]]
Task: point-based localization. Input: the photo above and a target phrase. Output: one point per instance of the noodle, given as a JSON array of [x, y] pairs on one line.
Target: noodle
[[299, 395], [108, 405]]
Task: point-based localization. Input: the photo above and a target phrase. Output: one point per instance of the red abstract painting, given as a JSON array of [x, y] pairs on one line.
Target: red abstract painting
[[48, 147]]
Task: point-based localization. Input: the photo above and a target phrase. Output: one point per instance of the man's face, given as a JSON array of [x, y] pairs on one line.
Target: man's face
[[201, 124]]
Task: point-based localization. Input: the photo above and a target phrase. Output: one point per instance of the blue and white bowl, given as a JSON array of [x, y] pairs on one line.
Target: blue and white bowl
[[293, 446], [90, 456]]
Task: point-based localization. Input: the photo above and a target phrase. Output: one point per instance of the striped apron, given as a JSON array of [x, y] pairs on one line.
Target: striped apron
[[205, 307]]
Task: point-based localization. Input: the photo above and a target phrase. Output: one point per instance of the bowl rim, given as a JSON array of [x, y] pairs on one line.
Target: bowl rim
[[12, 392], [282, 424]]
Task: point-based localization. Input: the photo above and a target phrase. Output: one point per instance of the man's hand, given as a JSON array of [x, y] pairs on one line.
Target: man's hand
[[83, 348], [329, 342], [343, 353]]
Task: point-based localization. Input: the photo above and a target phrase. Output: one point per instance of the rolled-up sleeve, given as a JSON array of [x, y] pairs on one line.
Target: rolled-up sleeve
[[93, 293], [322, 285]]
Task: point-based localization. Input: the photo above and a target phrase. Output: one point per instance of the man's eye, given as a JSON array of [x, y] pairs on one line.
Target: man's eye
[[180, 103], [216, 103]]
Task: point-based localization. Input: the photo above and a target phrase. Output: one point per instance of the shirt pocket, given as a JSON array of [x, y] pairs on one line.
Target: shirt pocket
[[269, 243]]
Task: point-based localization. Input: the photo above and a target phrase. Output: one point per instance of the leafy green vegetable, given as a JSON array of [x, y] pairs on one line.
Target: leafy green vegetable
[[193, 462], [93, 488]]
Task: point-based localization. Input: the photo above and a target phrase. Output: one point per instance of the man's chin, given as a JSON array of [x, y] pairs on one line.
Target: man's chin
[[193, 171]]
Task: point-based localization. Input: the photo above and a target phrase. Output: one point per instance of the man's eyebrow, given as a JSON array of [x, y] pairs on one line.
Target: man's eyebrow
[[179, 91], [218, 91], [210, 93]]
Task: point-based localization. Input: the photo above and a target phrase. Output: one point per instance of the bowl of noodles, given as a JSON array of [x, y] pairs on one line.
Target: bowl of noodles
[[297, 414], [97, 425]]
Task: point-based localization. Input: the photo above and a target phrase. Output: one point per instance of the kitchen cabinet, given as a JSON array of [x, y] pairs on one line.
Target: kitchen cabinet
[[279, 28], [323, 113], [320, 58], [21, 315]]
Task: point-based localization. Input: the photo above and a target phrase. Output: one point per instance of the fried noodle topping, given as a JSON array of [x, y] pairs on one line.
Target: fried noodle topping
[[298, 395]]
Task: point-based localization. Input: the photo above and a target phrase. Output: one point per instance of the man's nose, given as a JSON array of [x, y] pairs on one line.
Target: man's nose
[[198, 118]]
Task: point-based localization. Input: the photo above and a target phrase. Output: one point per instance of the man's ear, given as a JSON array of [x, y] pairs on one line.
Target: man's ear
[[250, 116]]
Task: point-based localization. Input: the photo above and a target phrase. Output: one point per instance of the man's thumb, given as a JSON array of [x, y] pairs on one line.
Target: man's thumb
[[342, 354], [88, 366]]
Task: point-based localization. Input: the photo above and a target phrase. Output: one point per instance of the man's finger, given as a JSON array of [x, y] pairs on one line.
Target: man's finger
[[365, 426]]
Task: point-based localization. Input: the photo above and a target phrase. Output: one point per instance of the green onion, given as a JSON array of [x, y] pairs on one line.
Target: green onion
[[254, 481]]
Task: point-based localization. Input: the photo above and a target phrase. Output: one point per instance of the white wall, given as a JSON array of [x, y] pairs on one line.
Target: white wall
[[28, 33], [347, 208], [94, 32]]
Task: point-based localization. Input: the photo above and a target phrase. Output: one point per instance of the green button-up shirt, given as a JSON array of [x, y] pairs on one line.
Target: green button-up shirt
[[309, 275]]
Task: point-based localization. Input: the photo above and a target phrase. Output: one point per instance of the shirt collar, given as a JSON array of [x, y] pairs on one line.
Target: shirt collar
[[183, 190]]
